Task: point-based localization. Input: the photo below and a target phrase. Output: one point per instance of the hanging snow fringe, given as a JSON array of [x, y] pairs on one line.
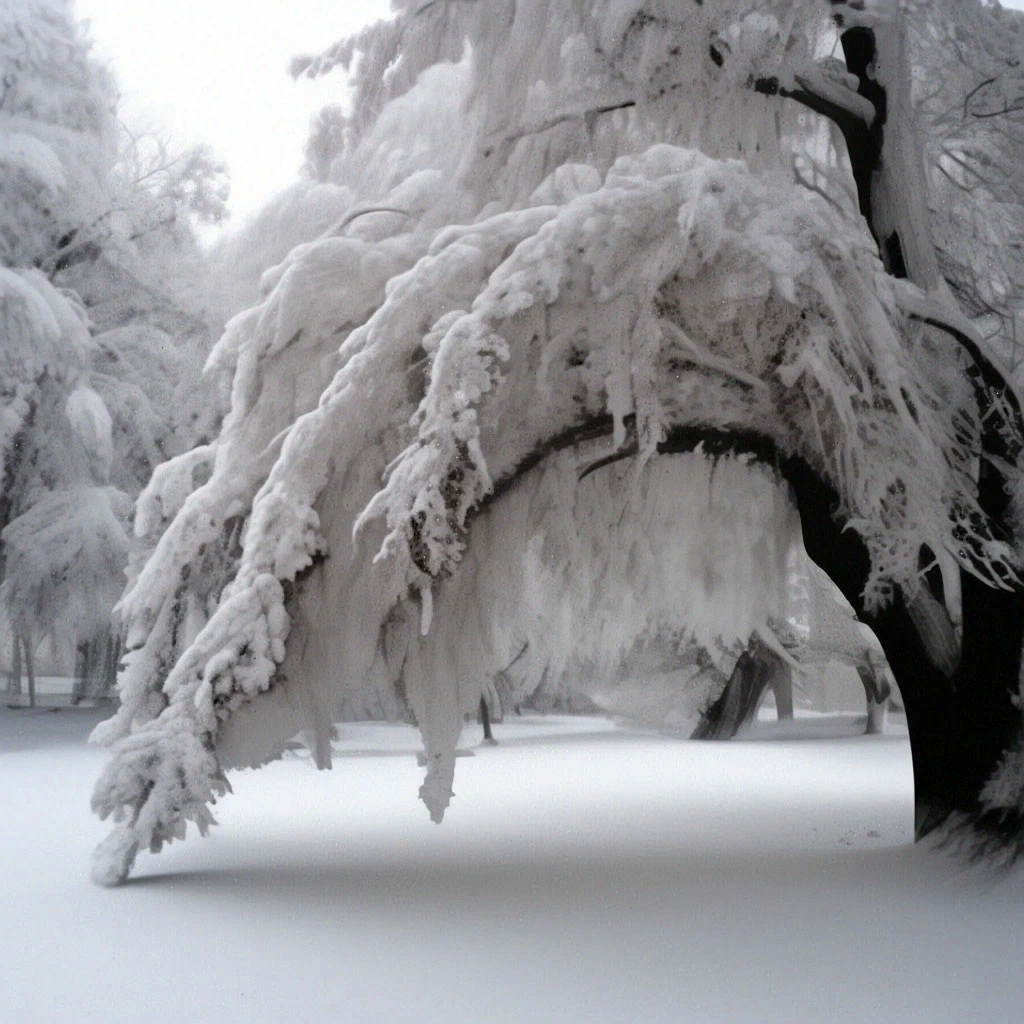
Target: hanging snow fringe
[[394, 459]]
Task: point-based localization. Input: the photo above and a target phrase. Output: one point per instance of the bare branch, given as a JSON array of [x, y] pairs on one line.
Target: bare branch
[[974, 91], [1007, 109], [572, 115]]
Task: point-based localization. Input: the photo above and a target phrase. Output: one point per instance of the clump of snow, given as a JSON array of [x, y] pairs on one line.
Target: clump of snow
[[91, 422], [43, 335], [21, 153], [64, 560]]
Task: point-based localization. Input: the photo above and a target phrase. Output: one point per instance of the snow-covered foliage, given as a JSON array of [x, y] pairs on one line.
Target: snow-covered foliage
[[151, 385], [98, 208], [63, 543], [239, 257], [550, 259], [65, 559], [44, 354], [42, 338], [969, 95], [95, 212], [57, 135]]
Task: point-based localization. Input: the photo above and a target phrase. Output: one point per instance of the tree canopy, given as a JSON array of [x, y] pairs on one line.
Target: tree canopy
[[682, 233]]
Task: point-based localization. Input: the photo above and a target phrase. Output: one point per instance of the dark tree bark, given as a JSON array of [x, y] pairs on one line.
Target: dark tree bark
[[485, 721], [959, 724], [14, 679], [82, 662], [29, 669], [757, 669]]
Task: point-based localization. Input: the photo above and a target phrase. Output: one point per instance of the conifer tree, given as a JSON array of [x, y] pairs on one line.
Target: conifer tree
[[93, 390]]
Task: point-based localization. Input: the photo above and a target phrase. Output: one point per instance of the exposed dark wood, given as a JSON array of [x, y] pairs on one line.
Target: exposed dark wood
[[959, 726], [485, 721], [756, 669], [14, 679], [30, 669]]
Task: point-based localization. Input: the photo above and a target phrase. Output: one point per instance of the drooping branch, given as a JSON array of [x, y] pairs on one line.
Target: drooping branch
[[974, 92], [859, 116], [990, 377], [999, 406], [1008, 108], [713, 441], [587, 116], [363, 211]]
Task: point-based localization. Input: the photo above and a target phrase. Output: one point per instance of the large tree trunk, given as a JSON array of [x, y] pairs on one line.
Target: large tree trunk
[[14, 679], [29, 669], [959, 726], [757, 669]]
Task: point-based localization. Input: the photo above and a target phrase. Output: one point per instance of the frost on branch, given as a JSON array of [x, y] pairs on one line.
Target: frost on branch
[[414, 483]]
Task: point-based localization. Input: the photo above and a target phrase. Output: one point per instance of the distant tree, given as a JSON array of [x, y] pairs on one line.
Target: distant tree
[[137, 259], [58, 140], [574, 370], [105, 220], [63, 545]]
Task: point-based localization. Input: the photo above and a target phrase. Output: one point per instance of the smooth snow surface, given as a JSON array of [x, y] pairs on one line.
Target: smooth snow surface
[[585, 872]]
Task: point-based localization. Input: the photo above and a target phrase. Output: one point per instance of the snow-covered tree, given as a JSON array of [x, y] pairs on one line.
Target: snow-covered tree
[[57, 133], [101, 218], [97, 208], [570, 374], [63, 545]]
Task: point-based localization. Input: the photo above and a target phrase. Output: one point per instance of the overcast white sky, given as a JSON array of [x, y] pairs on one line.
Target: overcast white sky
[[215, 71]]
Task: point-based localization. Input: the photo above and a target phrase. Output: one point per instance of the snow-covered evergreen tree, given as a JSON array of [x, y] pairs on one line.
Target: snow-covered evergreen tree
[[88, 215], [63, 543], [558, 383], [57, 136]]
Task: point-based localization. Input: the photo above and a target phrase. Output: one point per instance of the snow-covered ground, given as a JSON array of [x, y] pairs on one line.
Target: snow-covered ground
[[585, 872], [51, 691]]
